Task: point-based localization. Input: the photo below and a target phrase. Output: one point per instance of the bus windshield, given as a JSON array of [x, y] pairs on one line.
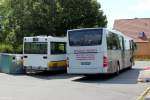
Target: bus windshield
[[35, 47], [85, 37]]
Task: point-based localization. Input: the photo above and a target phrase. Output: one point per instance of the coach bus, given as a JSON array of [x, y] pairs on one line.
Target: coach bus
[[98, 51], [44, 53]]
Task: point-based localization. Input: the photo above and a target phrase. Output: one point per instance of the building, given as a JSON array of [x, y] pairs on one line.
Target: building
[[139, 30]]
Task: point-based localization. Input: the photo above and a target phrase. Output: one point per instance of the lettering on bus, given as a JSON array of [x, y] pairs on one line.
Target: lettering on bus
[[85, 51], [85, 57]]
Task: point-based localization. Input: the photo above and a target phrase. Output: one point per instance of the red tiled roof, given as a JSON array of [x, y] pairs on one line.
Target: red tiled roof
[[132, 28]]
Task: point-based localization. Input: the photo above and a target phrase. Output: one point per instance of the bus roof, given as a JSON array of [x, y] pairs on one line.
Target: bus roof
[[111, 30], [120, 33], [44, 39], [86, 29]]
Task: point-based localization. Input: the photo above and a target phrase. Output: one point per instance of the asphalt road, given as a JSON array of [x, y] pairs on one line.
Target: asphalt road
[[71, 87]]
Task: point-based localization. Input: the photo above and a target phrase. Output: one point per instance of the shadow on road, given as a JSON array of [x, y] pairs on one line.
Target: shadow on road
[[51, 75], [125, 77]]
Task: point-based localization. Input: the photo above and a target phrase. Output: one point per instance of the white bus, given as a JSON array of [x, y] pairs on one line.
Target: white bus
[[44, 53], [98, 51]]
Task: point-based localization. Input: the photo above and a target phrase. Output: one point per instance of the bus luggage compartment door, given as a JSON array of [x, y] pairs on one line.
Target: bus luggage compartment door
[[35, 61], [86, 60]]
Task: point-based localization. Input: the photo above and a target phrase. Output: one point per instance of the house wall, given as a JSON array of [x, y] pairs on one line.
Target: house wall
[[143, 50]]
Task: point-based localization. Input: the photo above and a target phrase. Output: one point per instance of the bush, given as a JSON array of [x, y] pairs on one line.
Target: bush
[[6, 48], [19, 49]]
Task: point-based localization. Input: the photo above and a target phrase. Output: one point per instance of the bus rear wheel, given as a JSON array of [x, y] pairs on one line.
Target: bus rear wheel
[[118, 70]]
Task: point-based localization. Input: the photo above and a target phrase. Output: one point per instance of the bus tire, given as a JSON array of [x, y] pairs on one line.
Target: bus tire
[[118, 68], [130, 67]]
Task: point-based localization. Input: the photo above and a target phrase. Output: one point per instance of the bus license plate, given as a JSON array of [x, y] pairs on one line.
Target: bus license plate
[[85, 63]]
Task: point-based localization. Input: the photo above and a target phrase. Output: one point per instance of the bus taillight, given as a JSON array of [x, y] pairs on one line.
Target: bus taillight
[[105, 61]]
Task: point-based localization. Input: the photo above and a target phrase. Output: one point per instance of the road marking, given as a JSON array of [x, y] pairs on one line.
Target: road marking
[[141, 97]]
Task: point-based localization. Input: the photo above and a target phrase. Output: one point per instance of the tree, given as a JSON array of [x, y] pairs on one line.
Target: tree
[[47, 17], [80, 13]]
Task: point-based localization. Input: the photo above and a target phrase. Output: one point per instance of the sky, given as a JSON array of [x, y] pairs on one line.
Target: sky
[[125, 9]]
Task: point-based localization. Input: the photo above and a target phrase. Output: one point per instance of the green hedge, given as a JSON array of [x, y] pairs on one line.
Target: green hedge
[[19, 49], [8, 48]]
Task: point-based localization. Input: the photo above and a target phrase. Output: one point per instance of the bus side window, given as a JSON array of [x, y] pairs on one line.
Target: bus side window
[[108, 42], [113, 42], [123, 41], [134, 45], [58, 48]]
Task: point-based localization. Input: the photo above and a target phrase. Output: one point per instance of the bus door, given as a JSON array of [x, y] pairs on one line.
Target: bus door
[[123, 54]]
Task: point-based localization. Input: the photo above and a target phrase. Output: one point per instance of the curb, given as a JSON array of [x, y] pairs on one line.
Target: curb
[[141, 97], [144, 76]]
